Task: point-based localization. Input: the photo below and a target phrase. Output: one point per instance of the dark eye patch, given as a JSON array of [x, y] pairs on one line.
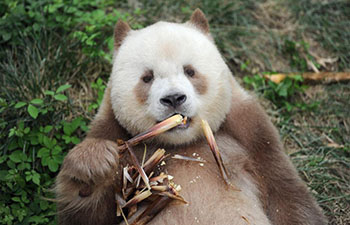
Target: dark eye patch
[[198, 80], [189, 71], [148, 76]]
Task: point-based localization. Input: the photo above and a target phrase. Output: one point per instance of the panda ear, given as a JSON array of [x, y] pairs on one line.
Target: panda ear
[[121, 30], [199, 21]]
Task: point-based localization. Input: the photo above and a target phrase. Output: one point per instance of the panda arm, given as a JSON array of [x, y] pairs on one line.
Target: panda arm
[[283, 194], [86, 182]]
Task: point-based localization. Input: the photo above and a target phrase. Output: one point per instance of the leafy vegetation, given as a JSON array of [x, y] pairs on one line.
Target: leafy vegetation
[[55, 60], [34, 143], [281, 94], [44, 46], [89, 22]]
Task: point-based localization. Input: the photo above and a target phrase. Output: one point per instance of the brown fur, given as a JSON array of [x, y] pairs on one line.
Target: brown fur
[[270, 190], [199, 82], [285, 197], [85, 184], [105, 120], [198, 20], [120, 32]]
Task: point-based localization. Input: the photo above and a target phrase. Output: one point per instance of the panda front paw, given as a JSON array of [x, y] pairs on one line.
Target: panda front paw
[[92, 162]]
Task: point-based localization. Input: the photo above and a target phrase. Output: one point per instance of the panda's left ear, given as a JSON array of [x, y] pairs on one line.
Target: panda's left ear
[[121, 30], [199, 21]]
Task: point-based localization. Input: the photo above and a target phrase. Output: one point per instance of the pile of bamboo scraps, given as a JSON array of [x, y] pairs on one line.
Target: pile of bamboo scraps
[[145, 189]]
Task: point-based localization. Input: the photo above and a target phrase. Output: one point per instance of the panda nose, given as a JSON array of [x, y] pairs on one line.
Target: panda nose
[[174, 100]]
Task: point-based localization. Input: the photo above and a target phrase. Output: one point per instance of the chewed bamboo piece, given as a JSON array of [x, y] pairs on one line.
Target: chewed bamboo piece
[[177, 156], [161, 191], [138, 167], [326, 77], [154, 131], [215, 150]]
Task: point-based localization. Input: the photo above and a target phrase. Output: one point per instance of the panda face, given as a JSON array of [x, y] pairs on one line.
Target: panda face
[[168, 69]]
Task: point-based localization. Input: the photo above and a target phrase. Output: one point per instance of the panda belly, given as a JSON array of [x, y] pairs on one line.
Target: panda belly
[[210, 200]]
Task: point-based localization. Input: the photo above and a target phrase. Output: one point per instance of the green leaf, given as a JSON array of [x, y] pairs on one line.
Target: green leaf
[[44, 205], [3, 158], [66, 139], [37, 220], [28, 176], [13, 145], [84, 127], [53, 166], [56, 150], [23, 166], [75, 140], [36, 178], [6, 36], [33, 140], [63, 88], [289, 107], [33, 111], [298, 78], [16, 199], [43, 152], [47, 128], [48, 142], [45, 160], [60, 97], [37, 101], [282, 89], [26, 130], [49, 93], [18, 156], [11, 164], [58, 159], [67, 128], [20, 104], [76, 122], [21, 125], [3, 174]]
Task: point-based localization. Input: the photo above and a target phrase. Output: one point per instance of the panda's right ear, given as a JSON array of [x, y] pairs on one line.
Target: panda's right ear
[[121, 30]]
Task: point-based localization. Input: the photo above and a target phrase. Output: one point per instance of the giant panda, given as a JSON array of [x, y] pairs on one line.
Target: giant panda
[[171, 68]]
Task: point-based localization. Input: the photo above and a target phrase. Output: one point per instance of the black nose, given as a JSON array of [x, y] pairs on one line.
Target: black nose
[[174, 100]]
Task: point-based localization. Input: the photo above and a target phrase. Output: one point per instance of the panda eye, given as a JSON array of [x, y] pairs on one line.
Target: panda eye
[[148, 76], [189, 71]]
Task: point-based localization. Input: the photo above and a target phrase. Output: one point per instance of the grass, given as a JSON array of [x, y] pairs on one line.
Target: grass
[[323, 23], [32, 67], [254, 37], [319, 145]]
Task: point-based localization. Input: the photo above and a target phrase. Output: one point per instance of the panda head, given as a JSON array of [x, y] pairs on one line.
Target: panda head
[[166, 69]]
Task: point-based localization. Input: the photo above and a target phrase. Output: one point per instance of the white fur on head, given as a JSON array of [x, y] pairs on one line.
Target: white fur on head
[[165, 48]]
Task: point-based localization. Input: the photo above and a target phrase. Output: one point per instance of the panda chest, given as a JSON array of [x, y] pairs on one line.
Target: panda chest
[[210, 199]]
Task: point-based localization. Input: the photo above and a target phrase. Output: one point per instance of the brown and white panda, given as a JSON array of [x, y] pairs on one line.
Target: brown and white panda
[[170, 68]]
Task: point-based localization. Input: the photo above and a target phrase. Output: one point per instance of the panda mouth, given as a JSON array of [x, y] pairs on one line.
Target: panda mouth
[[185, 123]]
